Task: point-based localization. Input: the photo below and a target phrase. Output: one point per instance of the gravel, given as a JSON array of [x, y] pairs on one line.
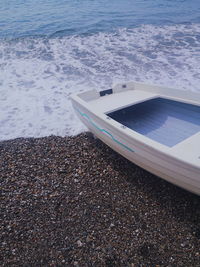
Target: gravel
[[75, 202]]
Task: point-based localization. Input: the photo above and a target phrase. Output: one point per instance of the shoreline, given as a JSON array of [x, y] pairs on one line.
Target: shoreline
[[73, 201]]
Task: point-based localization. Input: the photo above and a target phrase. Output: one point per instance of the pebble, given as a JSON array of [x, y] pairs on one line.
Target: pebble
[[79, 243], [61, 196]]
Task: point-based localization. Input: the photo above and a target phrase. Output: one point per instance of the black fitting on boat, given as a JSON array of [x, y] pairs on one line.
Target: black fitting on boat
[[106, 92]]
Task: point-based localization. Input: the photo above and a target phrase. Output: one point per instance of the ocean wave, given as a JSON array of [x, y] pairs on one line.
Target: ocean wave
[[39, 74]]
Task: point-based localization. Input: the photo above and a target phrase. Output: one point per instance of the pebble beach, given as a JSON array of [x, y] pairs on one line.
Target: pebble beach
[[72, 201]]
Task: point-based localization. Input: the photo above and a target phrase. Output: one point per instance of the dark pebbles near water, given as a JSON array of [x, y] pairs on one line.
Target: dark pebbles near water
[[74, 202]]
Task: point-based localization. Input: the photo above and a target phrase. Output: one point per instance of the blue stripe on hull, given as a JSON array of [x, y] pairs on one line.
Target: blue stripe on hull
[[103, 130]]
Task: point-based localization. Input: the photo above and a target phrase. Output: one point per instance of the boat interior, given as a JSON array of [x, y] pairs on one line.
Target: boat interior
[[163, 120]]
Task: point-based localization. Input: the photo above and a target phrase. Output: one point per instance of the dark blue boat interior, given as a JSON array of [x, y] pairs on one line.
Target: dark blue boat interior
[[165, 121]]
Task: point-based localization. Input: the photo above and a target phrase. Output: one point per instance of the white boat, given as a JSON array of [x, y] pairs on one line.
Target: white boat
[[155, 127]]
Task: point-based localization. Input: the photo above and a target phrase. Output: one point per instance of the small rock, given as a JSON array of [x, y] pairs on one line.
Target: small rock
[[79, 243], [88, 239]]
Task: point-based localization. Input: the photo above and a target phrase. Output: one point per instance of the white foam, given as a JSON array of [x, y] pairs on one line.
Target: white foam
[[38, 75]]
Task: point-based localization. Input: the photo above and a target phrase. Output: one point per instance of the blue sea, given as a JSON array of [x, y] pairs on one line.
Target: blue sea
[[51, 49]]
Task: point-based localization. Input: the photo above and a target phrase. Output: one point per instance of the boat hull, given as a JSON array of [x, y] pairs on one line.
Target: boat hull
[[172, 169]]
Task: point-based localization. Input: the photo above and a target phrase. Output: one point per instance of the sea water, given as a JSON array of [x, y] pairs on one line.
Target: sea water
[[50, 49]]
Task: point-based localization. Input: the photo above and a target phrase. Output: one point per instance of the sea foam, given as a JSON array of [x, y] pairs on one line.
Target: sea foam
[[37, 75]]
